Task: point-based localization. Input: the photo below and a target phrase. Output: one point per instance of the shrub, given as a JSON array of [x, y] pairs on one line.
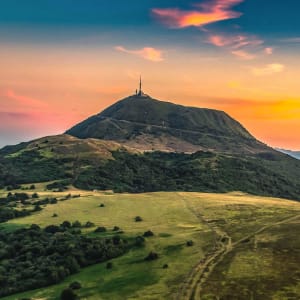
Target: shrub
[[89, 224], [138, 219], [68, 294], [151, 256], [32, 187], [54, 215], [189, 243], [109, 265], [139, 241], [76, 224], [75, 285], [66, 224], [148, 233], [34, 196], [101, 205], [100, 229], [165, 266], [116, 228]]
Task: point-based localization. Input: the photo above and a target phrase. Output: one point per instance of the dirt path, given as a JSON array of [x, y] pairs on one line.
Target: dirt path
[[192, 285]]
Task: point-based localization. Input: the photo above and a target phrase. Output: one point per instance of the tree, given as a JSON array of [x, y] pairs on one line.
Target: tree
[[68, 294]]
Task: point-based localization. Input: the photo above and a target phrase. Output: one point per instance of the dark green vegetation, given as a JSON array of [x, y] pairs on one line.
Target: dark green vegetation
[[147, 123], [35, 257], [269, 173]]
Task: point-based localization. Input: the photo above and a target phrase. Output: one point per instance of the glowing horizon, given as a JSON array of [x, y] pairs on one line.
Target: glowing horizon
[[62, 64]]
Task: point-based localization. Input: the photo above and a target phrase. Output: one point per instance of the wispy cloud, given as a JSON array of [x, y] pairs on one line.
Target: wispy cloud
[[293, 40], [234, 41], [268, 69], [241, 46], [24, 100], [243, 54], [148, 53], [202, 14]]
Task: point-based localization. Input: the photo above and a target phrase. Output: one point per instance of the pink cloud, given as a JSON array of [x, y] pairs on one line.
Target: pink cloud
[[234, 41], [24, 100], [243, 54], [268, 51], [147, 53], [203, 14]]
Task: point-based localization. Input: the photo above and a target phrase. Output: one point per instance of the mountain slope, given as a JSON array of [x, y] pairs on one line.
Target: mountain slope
[[295, 154], [105, 165], [148, 124]]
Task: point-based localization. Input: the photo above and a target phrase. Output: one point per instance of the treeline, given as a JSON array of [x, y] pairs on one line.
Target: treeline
[[201, 171], [264, 174], [34, 257]]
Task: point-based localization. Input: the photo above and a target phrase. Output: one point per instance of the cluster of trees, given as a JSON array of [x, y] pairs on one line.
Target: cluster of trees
[[34, 257], [201, 171], [261, 174]]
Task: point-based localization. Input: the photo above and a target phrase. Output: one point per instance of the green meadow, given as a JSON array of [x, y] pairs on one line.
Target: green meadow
[[244, 246]]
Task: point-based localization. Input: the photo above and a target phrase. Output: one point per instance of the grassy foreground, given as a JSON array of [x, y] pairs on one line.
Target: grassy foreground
[[245, 247]]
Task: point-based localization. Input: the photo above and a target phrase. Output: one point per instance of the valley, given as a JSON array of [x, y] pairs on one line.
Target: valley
[[210, 246]]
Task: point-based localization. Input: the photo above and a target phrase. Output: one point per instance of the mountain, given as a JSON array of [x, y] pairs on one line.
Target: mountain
[[195, 150], [295, 154], [148, 124]]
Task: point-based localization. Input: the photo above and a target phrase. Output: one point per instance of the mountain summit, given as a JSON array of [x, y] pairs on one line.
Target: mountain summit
[[142, 122]]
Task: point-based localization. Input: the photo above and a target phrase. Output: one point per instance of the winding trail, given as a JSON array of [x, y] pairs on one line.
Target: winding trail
[[192, 285]]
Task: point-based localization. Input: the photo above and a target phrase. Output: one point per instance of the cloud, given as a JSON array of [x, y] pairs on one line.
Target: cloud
[[240, 46], [202, 14], [147, 53], [269, 51], [294, 40], [234, 41], [24, 100], [268, 69], [243, 54]]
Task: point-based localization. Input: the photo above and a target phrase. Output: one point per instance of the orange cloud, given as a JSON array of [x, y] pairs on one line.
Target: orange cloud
[[268, 69], [147, 53], [203, 14]]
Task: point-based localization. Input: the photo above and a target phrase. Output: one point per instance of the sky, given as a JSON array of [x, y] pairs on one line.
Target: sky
[[62, 61]]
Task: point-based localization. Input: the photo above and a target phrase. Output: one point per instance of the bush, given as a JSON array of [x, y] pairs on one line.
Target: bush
[[109, 265], [54, 215], [148, 233], [76, 224], [101, 205], [75, 285], [189, 243], [100, 229], [89, 224], [32, 187], [34, 196], [139, 241], [165, 266], [138, 219], [116, 228], [68, 294], [151, 256]]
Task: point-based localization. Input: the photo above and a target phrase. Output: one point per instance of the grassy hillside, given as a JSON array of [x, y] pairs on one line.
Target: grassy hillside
[[96, 164], [242, 245]]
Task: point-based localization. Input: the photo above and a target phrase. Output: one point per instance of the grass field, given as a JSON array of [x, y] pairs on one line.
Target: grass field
[[245, 247]]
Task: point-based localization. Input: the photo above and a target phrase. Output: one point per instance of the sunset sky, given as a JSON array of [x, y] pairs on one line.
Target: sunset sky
[[64, 60]]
